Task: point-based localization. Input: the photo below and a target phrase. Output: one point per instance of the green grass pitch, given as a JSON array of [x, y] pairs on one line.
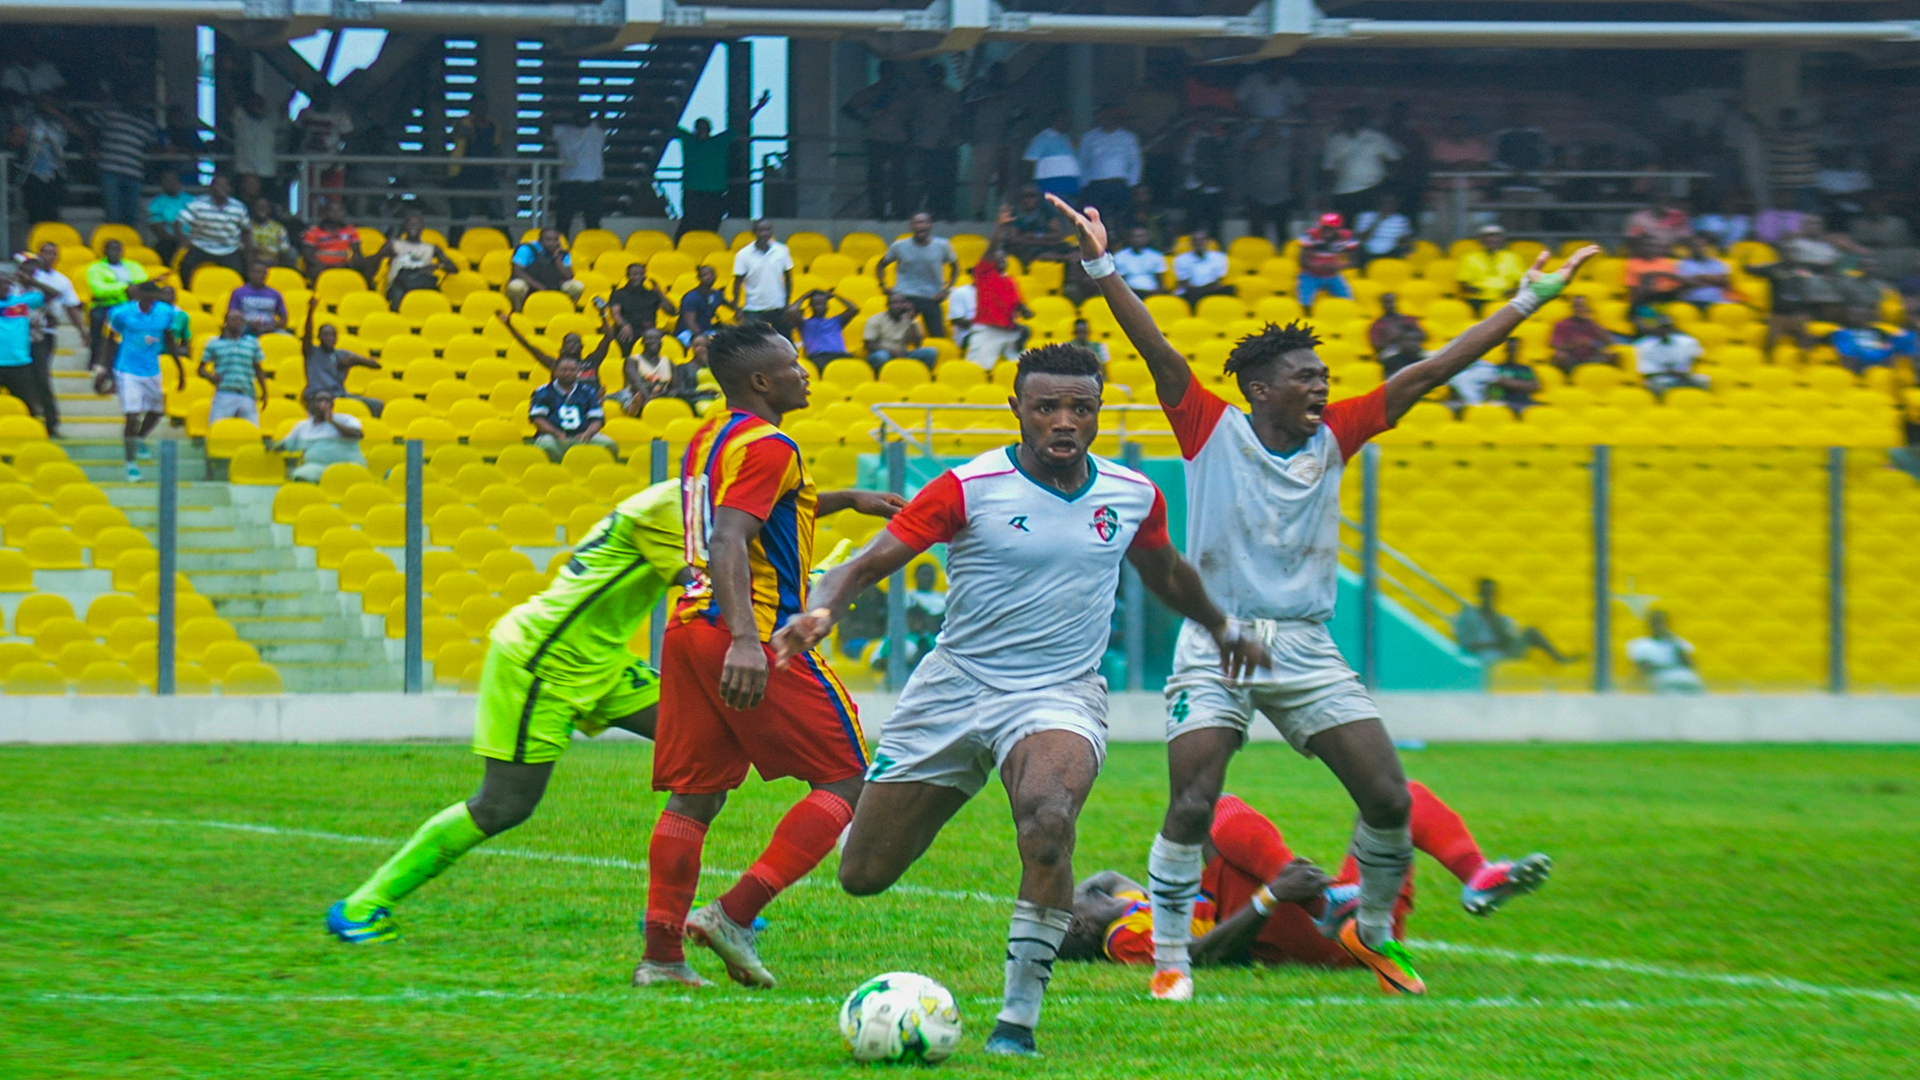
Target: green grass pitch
[[1715, 912]]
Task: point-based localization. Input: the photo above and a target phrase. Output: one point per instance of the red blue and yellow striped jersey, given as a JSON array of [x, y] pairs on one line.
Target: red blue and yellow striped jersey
[[742, 462]]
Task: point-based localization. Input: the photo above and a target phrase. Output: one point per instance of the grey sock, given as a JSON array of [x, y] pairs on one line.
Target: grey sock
[[1033, 940], [1384, 857]]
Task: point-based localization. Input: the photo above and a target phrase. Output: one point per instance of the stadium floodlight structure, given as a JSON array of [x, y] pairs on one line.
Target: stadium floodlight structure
[[1270, 28]]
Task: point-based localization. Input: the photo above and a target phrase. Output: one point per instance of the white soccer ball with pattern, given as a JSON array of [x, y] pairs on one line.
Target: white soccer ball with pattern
[[900, 1016]]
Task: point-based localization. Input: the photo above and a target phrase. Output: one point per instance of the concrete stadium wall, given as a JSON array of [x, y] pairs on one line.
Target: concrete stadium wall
[[1134, 718]]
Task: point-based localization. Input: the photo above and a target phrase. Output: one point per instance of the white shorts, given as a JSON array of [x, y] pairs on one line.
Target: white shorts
[[226, 404], [951, 729], [1308, 689], [140, 393], [988, 345]]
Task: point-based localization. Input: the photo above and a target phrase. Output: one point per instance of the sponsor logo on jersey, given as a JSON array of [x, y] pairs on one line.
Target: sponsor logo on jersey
[[1106, 523], [1020, 523]]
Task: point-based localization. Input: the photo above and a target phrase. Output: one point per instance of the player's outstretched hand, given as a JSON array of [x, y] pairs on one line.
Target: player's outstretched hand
[[801, 634], [1299, 882], [1092, 230], [883, 504], [1545, 284], [1241, 650], [743, 677]]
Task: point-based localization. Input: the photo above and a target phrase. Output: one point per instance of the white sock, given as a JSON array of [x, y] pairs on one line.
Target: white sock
[[1384, 857], [1033, 940], [1173, 882]]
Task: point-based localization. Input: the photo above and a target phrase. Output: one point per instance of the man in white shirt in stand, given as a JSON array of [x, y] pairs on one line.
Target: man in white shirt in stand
[[1356, 161], [1109, 164], [763, 279], [1200, 271], [256, 139], [1139, 264], [581, 143], [1665, 659], [1056, 166]]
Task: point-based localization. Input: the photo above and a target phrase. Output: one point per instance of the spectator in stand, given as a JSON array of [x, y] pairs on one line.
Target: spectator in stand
[[1793, 167], [1056, 165], [1458, 149], [1493, 637], [234, 364], [1664, 659], [1882, 232], [411, 260], [1651, 275], [636, 306], [996, 332], [1383, 231], [572, 347], [1510, 381], [163, 215], [1407, 347], [64, 301], [256, 142], [1201, 270], [885, 109], [700, 311], [1268, 158], [332, 243], [1392, 325], [823, 333], [261, 308], [1407, 179], [895, 334], [1268, 92], [962, 304], [581, 142], [108, 278], [30, 299], [1145, 215], [1664, 356], [272, 243], [33, 74], [1323, 257], [217, 230], [542, 265], [936, 150], [1207, 169], [146, 326], [1356, 161], [567, 411], [1139, 264], [927, 270], [1729, 223], [122, 135], [1580, 339], [42, 136], [1862, 344], [1109, 163], [1664, 224], [987, 110], [1704, 278], [324, 130], [1520, 147], [1037, 234], [327, 364], [475, 135], [763, 279], [1491, 272], [649, 374], [703, 177], [324, 438], [1083, 337]]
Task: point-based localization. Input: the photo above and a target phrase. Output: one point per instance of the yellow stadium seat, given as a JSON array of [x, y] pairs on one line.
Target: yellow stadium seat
[[291, 499], [15, 429], [452, 589], [312, 522], [54, 475], [107, 677], [252, 678], [538, 479], [16, 573], [361, 498], [522, 586], [35, 679], [223, 656], [477, 615], [359, 566], [417, 305], [36, 610], [258, 466], [561, 500], [56, 633], [27, 460], [432, 430], [476, 544], [386, 525], [336, 284], [76, 656], [126, 634], [582, 521], [447, 523], [197, 634], [582, 460], [108, 608], [71, 499], [54, 549], [495, 500], [514, 461], [22, 521], [455, 656], [476, 477], [336, 544], [18, 652], [501, 565], [527, 524]]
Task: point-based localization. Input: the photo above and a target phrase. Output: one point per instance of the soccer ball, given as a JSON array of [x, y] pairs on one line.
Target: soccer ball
[[900, 1016]]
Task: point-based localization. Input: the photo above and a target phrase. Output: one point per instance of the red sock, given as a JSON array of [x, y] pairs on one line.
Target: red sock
[[1246, 839], [673, 872], [799, 842], [1441, 833]]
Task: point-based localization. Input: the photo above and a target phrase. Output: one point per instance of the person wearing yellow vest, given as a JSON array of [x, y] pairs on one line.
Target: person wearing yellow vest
[[1491, 272], [107, 281]]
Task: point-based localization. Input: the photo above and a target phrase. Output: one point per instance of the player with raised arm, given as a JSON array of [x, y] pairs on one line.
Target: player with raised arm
[[1263, 502], [1036, 535], [749, 504]]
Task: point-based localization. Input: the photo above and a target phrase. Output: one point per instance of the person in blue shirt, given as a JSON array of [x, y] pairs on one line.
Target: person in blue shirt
[[543, 266], [146, 328], [1862, 345], [567, 411], [823, 336], [20, 297]]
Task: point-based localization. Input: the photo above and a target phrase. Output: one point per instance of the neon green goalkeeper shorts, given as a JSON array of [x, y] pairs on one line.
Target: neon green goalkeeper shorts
[[525, 719]]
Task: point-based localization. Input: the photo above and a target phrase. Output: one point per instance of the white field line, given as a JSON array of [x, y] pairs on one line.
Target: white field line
[[1777, 983]]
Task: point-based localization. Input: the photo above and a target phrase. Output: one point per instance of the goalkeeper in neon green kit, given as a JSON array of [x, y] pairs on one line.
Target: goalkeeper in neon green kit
[[558, 663]]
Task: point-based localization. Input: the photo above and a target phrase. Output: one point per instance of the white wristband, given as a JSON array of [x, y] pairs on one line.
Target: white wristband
[[1526, 301], [1263, 901], [1100, 267]]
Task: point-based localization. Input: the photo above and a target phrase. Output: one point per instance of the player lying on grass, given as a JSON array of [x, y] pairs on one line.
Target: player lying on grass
[[556, 664], [1036, 534], [1263, 506], [749, 504], [1259, 903]]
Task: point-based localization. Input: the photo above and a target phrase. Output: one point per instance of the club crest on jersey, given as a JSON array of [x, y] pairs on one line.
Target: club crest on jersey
[[1020, 523], [1306, 468], [1106, 523]]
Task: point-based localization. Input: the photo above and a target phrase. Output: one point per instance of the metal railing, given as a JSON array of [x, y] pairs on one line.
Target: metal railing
[[1461, 198]]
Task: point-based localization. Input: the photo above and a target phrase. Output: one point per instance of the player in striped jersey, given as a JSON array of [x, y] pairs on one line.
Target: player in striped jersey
[[1263, 524]]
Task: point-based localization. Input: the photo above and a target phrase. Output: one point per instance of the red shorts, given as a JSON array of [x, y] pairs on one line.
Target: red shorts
[[1289, 936], [805, 727]]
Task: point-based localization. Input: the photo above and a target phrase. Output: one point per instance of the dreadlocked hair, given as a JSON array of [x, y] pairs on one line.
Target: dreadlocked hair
[[1059, 358], [1256, 351]]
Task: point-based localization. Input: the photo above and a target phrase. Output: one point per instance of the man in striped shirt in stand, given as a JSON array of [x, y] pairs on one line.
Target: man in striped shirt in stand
[[217, 230], [122, 137], [234, 363]]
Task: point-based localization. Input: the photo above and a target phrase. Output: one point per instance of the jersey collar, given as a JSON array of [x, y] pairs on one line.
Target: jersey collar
[[1093, 473]]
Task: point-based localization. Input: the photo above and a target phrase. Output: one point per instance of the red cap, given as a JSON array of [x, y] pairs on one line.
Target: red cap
[[1330, 221]]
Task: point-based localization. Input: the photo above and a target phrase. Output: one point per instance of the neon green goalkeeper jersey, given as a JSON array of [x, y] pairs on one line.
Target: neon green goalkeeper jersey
[[576, 631]]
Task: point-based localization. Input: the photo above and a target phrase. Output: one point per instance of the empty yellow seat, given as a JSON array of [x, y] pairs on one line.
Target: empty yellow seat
[[16, 573], [252, 678], [23, 521], [195, 635], [449, 522], [293, 498], [35, 678], [476, 544], [478, 614], [76, 656], [528, 524], [456, 588], [257, 465], [109, 608], [56, 633], [70, 499], [107, 677], [90, 522], [128, 633], [54, 549], [222, 656], [358, 566], [336, 544], [312, 522]]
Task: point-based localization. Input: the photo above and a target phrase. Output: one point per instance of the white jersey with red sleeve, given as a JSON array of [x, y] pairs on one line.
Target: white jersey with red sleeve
[[1264, 529], [1031, 571]]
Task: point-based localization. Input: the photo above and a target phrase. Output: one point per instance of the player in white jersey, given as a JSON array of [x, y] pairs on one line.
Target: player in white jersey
[[1035, 535], [1263, 495]]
